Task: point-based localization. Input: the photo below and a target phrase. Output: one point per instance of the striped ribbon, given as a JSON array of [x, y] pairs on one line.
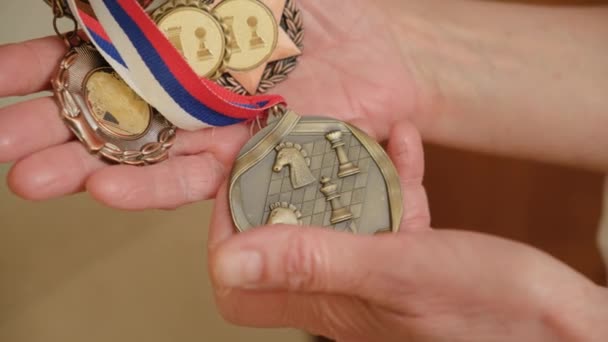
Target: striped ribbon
[[140, 53]]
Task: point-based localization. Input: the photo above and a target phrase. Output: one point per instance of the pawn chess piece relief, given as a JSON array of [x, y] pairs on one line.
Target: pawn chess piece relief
[[256, 42], [203, 53], [347, 168], [284, 213], [339, 213]]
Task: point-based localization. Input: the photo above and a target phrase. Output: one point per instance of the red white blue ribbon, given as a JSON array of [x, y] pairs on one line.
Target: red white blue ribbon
[[141, 54]]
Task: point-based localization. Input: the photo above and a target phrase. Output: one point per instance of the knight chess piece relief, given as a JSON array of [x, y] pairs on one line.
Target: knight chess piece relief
[[296, 158], [284, 213]]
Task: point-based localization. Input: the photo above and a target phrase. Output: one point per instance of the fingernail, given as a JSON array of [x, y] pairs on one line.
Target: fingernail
[[240, 270]]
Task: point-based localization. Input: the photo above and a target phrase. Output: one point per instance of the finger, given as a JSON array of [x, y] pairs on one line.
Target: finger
[[29, 127], [221, 227], [54, 172], [27, 67], [309, 261], [316, 314], [168, 185], [224, 142], [406, 151]]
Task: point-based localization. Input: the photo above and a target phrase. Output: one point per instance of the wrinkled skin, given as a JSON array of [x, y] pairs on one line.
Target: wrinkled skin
[[347, 72], [417, 285]]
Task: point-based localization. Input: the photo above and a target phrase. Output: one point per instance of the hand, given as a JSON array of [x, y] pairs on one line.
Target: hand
[[418, 285], [346, 72]]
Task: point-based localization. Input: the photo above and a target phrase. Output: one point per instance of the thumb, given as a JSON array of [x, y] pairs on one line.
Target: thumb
[[310, 260]]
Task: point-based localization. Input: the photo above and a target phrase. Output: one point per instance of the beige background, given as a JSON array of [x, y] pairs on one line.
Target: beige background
[[71, 270]]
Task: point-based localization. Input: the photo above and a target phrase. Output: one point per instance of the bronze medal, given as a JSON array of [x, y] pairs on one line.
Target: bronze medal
[[315, 171], [105, 114]]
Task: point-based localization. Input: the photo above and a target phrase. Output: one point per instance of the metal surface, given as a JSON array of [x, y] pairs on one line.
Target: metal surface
[[106, 115], [197, 34], [253, 31], [277, 71], [290, 173]]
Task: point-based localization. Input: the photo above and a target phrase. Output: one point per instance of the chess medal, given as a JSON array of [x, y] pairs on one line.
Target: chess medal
[[196, 33], [253, 32], [283, 58], [105, 114], [315, 171]]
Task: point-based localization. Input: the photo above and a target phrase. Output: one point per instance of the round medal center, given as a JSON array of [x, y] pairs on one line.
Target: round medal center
[[197, 36], [115, 106], [253, 32]]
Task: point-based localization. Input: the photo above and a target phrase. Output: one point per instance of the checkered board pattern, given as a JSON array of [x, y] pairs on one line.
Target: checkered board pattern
[[324, 162]]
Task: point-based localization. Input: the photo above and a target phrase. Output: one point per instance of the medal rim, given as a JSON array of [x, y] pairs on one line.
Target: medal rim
[[246, 161], [162, 12], [275, 27]]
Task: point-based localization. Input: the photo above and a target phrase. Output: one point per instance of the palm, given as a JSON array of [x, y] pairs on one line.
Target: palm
[[351, 68], [346, 72]]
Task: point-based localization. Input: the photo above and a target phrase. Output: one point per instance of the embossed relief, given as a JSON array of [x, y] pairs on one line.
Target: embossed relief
[[338, 201]]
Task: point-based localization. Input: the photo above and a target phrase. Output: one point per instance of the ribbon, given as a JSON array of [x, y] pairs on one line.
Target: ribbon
[[141, 54]]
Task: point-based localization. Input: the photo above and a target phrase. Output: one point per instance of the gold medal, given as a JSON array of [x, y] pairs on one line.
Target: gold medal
[[196, 34], [106, 114], [253, 31], [315, 171]]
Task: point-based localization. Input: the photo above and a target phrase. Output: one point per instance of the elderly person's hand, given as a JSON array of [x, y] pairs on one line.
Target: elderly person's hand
[[336, 77], [417, 285]]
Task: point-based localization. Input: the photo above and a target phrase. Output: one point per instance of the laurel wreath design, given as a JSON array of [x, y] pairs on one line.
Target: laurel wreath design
[[150, 153]]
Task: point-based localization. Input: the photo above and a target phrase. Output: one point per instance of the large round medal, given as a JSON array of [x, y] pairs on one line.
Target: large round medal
[[107, 115], [315, 171]]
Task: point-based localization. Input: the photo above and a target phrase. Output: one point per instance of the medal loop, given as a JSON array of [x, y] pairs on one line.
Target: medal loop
[[71, 38], [142, 55]]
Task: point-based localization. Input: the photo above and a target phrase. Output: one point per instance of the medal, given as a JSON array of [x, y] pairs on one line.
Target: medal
[[263, 41], [253, 31], [283, 58], [315, 171], [107, 116]]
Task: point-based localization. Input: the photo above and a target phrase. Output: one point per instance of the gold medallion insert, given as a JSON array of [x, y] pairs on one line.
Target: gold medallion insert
[[253, 29], [115, 106], [194, 31]]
